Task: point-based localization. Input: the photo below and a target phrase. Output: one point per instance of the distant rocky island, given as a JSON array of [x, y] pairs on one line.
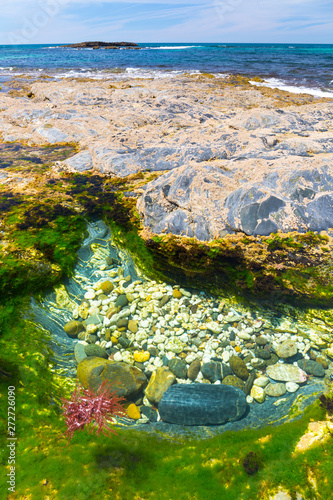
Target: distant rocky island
[[102, 45]]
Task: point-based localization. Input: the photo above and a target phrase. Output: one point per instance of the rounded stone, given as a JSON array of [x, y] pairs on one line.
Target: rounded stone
[[95, 350], [287, 349], [177, 294], [164, 300], [159, 382], [212, 371], [272, 360], [239, 367], [202, 404], [141, 356], [194, 369], [261, 381], [132, 326], [261, 341], [106, 287], [124, 379], [178, 367], [291, 386], [121, 301], [311, 367], [262, 353], [234, 381], [73, 328], [122, 323], [276, 390], [284, 372], [153, 351], [174, 345], [124, 342], [258, 394]]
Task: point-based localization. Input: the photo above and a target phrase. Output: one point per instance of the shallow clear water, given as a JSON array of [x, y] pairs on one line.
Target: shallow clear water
[[296, 67]]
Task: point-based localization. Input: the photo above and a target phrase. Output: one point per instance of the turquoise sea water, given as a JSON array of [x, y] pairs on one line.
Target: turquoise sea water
[[296, 68]]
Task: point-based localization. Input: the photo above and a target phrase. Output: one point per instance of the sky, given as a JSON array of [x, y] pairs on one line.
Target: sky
[[228, 21]]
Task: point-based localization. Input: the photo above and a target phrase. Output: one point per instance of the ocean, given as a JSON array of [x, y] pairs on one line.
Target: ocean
[[296, 68]]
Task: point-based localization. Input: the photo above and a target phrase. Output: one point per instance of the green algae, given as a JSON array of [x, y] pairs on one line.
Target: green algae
[[132, 464], [22, 158]]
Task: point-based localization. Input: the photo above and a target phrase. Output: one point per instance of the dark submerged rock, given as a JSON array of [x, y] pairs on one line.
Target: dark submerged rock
[[202, 404]]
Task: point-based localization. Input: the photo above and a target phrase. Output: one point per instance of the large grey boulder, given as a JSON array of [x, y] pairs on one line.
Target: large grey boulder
[[202, 404], [205, 202]]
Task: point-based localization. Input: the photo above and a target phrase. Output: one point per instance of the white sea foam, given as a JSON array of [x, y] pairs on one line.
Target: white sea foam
[[175, 47], [274, 83]]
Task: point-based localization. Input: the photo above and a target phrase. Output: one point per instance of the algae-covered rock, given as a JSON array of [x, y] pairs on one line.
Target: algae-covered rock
[[106, 287], [73, 328], [125, 380], [239, 367], [234, 381], [194, 369]]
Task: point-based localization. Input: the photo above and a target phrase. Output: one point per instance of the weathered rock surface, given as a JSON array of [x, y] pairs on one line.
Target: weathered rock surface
[[239, 160], [126, 380], [276, 390], [286, 373], [287, 349], [202, 404]]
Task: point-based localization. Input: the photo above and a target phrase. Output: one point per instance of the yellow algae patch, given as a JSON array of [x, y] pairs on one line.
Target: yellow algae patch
[[141, 356], [133, 411], [264, 439], [62, 298], [317, 432]]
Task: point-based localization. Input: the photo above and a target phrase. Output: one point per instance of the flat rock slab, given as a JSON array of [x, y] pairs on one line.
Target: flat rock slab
[[202, 404]]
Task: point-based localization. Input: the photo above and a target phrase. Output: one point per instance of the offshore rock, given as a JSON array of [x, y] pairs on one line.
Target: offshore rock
[[98, 45], [202, 404], [126, 380]]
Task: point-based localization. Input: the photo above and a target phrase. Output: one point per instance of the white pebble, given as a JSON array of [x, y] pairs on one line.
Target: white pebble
[[292, 386], [89, 295], [117, 356]]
